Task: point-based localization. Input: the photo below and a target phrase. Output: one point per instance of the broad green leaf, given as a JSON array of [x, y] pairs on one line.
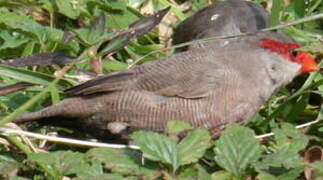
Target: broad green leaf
[[114, 160], [122, 162], [289, 139], [70, 9], [12, 41], [65, 163], [114, 65], [190, 172], [193, 146], [24, 23], [265, 176], [116, 4], [223, 175], [237, 149], [121, 20], [291, 174], [202, 173], [292, 109], [157, 147], [280, 159], [175, 127], [90, 36]]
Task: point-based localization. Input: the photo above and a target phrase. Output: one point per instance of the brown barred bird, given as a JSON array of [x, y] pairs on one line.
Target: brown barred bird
[[207, 87]]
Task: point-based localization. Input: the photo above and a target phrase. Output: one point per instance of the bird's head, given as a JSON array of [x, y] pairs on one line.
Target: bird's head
[[288, 50]]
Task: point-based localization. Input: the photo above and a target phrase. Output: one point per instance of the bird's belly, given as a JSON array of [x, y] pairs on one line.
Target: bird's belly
[[146, 110]]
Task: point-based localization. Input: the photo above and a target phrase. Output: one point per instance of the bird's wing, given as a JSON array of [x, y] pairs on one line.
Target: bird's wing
[[190, 74]]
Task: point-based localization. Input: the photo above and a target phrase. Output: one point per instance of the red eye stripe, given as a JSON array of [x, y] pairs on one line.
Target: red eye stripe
[[286, 50]]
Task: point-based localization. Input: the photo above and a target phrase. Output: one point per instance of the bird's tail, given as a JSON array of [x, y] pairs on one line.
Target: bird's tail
[[68, 108]]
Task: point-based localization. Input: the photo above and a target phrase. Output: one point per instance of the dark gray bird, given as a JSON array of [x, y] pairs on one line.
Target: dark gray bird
[[230, 17], [207, 87]]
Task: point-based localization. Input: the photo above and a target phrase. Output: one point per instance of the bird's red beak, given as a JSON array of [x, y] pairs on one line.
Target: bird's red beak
[[308, 63]]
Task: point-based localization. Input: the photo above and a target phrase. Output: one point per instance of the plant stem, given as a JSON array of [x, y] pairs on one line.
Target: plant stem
[[18, 144]]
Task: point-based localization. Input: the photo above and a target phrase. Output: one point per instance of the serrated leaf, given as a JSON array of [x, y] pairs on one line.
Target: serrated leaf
[[63, 163], [122, 162], [280, 159], [289, 139], [116, 161], [157, 147], [175, 127], [193, 146], [237, 149]]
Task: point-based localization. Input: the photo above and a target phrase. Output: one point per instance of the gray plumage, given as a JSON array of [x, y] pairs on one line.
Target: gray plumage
[[226, 18], [208, 87]]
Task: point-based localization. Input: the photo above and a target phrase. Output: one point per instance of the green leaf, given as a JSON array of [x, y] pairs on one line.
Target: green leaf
[[115, 65], [223, 175], [193, 146], [275, 12], [157, 147], [29, 76], [70, 9], [116, 161], [90, 36], [280, 159], [175, 127], [122, 162], [61, 163], [24, 23], [299, 7], [291, 174], [265, 176], [237, 149], [11, 41], [289, 139]]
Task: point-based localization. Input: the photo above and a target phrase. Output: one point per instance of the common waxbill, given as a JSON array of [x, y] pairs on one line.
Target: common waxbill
[[207, 87], [226, 18]]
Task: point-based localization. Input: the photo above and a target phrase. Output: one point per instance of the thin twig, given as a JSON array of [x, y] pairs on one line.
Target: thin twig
[[299, 21], [10, 131]]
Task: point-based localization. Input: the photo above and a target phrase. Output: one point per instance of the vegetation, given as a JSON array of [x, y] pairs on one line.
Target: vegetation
[[83, 29]]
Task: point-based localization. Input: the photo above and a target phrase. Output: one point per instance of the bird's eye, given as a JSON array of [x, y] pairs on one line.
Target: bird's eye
[[293, 52]]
